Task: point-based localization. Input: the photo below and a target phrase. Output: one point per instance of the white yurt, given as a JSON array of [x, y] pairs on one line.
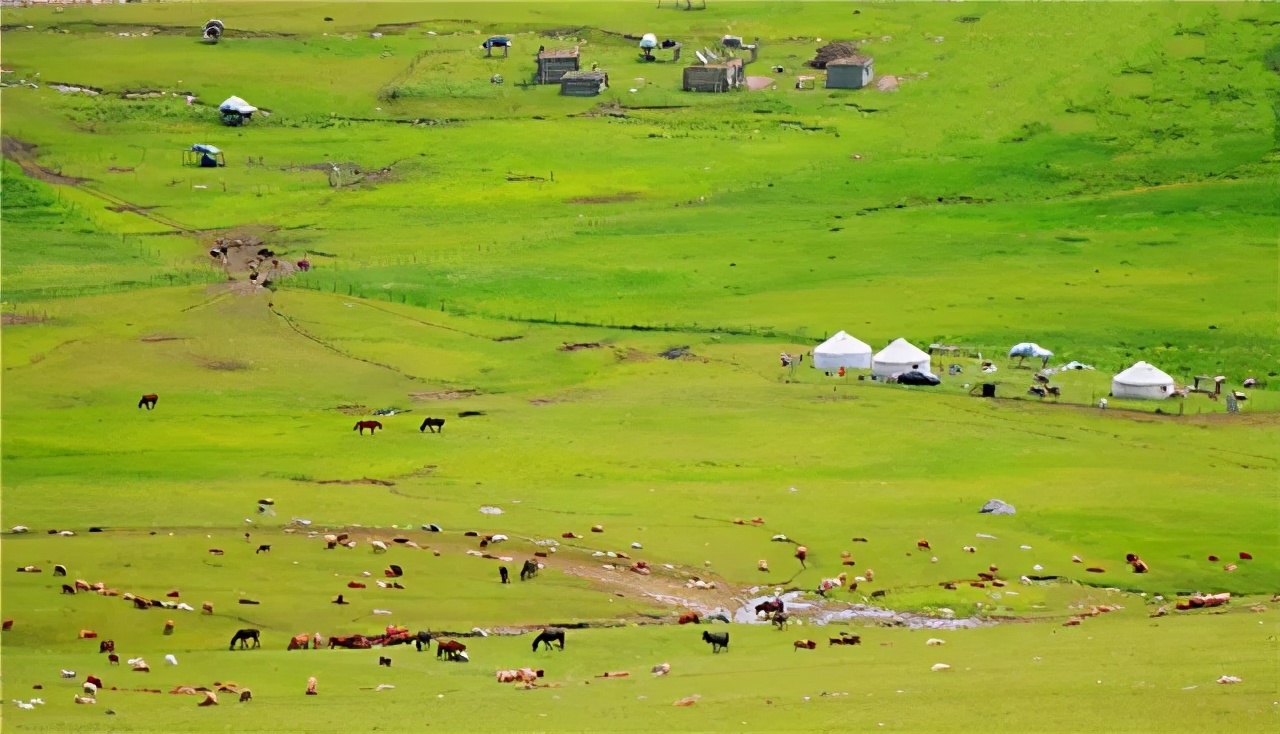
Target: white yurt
[[1142, 381], [900, 356], [842, 350]]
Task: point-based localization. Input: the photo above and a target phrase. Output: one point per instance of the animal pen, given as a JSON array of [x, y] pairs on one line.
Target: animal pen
[[553, 64], [713, 75], [583, 83]]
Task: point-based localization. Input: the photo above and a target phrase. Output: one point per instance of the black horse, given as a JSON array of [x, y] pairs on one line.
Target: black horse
[[243, 637], [528, 570], [548, 636], [422, 639], [435, 424], [771, 606], [502, 574], [718, 640]]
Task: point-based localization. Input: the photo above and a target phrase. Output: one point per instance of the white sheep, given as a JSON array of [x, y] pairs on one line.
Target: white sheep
[[937, 667], [171, 659], [378, 546], [90, 689], [934, 642], [68, 674]]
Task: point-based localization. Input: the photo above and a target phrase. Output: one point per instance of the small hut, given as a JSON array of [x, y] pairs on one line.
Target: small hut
[[555, 63], [850, 72], [714, 77], [583, 83], [235, 111]]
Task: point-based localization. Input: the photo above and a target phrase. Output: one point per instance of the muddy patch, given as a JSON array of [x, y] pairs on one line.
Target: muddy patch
[[567, 347], [24, 154], [223, 365], [632, 355], [677, 353], [161, 338], [822, 612], [353, 409], [618, 198], [444, 395], [362, 480]]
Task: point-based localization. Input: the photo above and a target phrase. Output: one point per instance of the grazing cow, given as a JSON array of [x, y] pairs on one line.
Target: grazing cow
[[435, 424], [299, 642], [373, 426], [845, 639], [689, 618], [528, 570], [262, 549], [88, 634], [1037, 391], [803, 645], [207, 607], [246, 696], [113, 659], [106, 646], [422, 639], [717, 640], [548, 636], [243, 637], [7, 625], [68, 589], [384, 661], [504, 575], [450, 649], [95, 680], [986, 576], [1054, 390], [923, 545], [149, 401], [1246, 556], [770, 606], [59, 570], [779, 620]]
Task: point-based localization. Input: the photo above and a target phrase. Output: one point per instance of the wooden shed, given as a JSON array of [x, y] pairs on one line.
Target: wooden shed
[[555, 63], [583, 83], [718, 77], [851, 72]]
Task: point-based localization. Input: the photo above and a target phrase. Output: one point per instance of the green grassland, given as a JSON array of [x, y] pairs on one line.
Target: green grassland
[[1098, 178]]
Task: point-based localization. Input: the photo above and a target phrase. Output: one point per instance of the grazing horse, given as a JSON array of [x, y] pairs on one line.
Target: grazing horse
[[299, 642], [422, 639], [548, 636], [149, 401], [243, 637], [771, 606], [717, 640], [449, 649], [528, 570], [779, 620], [351, 642], [107, 646], [435, 424], [504, 575], [371, 425], [262, 549]]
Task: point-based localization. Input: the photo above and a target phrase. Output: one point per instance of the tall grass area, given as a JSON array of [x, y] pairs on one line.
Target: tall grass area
[[594, 294]]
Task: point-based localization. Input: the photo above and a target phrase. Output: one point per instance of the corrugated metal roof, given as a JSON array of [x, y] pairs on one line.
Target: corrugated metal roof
[[558, 53], [851, 61]]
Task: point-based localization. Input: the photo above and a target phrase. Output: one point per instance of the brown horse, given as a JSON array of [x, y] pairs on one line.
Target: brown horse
[[149, 401], [371, 425]]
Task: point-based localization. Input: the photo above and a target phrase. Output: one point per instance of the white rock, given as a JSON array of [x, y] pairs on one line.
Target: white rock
[[1228, 679], [940, 666]]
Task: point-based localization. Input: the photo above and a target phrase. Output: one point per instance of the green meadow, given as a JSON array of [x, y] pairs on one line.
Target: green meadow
[[593, 292]]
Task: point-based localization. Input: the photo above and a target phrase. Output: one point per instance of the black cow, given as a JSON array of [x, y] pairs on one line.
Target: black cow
[[548, 636], [243, 637], [528, 570], [717, 640], [422, 639], [504, 574], [435, 424]]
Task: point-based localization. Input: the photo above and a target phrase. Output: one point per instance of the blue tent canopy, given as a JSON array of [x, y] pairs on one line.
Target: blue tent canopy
[[496, 42], [203, 148]]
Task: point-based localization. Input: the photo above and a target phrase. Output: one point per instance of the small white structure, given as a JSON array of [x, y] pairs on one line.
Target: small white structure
[[842, 350], [1142, 381], [900, 356]]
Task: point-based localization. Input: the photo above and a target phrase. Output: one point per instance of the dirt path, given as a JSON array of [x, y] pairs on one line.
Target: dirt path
[[24, 154]]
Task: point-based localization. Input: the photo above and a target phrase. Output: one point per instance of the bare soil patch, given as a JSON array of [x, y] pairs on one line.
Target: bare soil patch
[[362, 480], [24, 154], [444, 395], [20, 319], [618, 198], [580, 346], [223, 365], [161, 338], [353, 409]]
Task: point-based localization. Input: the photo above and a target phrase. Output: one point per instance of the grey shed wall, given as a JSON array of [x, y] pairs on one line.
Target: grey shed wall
[[849, 76], [711, 78], [550, 70]]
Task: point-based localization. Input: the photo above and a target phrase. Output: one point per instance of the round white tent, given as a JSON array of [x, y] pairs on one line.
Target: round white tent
[[900, 356], [842, 350], [1142, 381]]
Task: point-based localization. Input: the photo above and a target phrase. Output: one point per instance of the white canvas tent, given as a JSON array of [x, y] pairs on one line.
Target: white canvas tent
[[1030, 349], [900, 356], [235, 104], [842, 350], [1142, 381]]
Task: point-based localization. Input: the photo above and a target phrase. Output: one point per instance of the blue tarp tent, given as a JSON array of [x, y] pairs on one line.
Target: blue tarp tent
[[204, 155]]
